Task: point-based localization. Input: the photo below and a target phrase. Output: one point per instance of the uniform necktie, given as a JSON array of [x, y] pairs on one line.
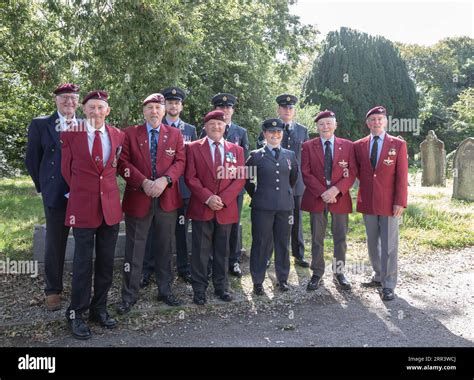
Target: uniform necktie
[[276, 153], [217, 157], [97, 155], [153, 149], [226, 131], [373, 153], [328, 161]]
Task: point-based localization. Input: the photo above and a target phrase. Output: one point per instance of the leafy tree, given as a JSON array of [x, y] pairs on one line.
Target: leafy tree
[[354, 72]]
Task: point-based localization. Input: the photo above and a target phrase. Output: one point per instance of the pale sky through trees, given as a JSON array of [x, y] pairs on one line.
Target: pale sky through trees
[[421, 22]]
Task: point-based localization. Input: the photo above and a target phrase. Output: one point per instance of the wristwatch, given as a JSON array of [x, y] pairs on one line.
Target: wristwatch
[[169, 180]]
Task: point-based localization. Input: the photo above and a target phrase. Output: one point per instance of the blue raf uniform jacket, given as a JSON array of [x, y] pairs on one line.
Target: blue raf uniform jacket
[[189, 134], [43, 160], [276, 179], [293, 141]]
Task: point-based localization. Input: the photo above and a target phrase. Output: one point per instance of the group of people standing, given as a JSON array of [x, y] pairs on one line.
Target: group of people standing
[[172, 177]]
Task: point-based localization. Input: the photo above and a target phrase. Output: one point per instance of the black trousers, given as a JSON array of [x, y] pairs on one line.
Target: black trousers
[[103, 239], [270, 229], [182, 251], [163, 224], [210, 239], [55, 248]]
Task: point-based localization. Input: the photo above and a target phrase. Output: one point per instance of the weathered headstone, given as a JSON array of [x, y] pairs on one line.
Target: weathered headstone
[[433, 161], [463, 187]]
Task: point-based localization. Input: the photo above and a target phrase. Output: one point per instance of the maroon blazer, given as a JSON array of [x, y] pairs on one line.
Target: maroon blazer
[[343, 175], [201, 180], [135, 167], [387, 185], [94, 196]]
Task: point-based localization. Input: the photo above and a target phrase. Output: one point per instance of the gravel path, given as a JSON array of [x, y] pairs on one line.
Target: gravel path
[[434, 307]]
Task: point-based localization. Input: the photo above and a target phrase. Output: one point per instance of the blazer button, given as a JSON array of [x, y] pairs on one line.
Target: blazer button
[[101, 193], [278, 188], [101, 177], [277, 172], [278, 180], [277, 164], [375, 175]]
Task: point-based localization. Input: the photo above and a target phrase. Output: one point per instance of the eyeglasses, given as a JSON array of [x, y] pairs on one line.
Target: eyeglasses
[[72, 98]]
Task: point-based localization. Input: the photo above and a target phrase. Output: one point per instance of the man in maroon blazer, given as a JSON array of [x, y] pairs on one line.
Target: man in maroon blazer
[[214, 177], [151, 163], [329, 170], [90, 155], [382, 165]]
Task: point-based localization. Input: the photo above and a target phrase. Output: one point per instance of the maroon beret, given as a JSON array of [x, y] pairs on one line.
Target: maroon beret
[[323, 114], [66, 88], [96, 94], [154, 98], [379, 110], [216, 114]]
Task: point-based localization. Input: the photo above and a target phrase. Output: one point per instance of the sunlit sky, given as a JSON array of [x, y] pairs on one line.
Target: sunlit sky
[[421, 22]]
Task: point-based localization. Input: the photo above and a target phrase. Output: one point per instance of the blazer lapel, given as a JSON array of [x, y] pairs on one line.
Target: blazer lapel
[[206, 154], [387, 142], [319, 150], [53, 122], [143, 144], [162, 142]]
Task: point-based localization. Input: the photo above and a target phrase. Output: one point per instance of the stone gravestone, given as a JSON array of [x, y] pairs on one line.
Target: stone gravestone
[[464, 170], [433, 161]]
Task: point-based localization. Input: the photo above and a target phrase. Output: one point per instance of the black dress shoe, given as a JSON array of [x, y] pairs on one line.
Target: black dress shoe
[[199, 298], [145, 281], [186, 277], [224, 296], [314, 283], [170, 300], [387, 294], [342, 281], [103, 319], [302, 263], [124, 307], [258, 290], [372, 284], [283, 286], [235, 270], [79, 329]]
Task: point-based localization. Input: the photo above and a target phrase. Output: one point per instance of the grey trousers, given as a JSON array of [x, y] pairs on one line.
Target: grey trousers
[[382, 243], [137, 229], [339, 224]]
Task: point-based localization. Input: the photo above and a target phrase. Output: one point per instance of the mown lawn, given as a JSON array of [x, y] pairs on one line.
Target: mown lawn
[[432, 221]]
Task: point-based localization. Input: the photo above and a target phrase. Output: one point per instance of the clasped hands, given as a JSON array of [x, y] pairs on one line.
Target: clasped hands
[[329, 196], [154, 188]]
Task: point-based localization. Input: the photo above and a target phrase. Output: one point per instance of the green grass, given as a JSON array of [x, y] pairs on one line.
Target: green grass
[[432, 221]]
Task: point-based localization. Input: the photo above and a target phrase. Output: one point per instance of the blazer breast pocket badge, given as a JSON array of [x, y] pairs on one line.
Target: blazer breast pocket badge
[[392, 152], [170, 152], [343, 164]]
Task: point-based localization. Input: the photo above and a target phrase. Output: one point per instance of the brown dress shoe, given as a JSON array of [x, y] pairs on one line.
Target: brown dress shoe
[[53, 302]]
